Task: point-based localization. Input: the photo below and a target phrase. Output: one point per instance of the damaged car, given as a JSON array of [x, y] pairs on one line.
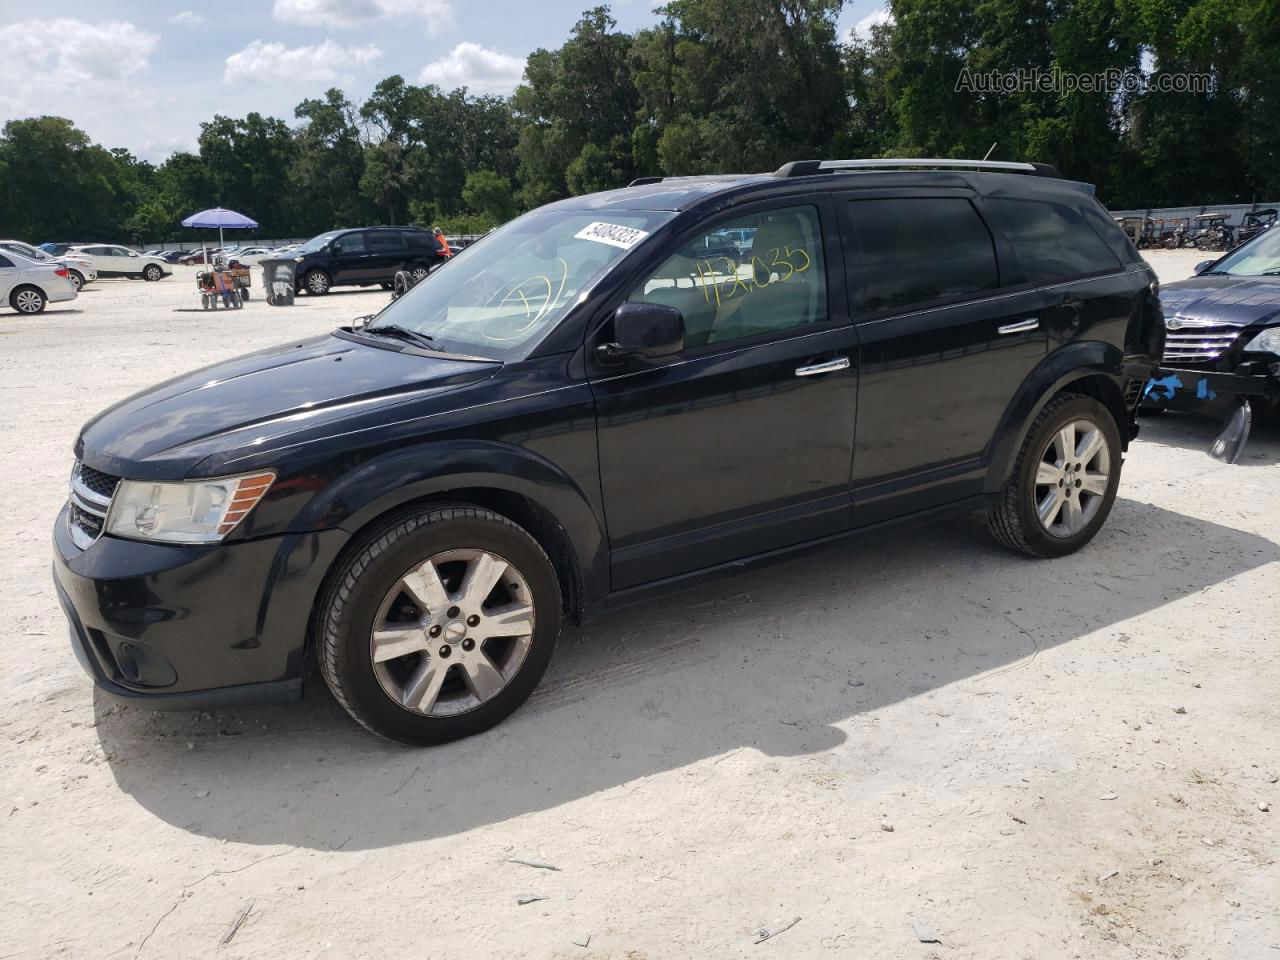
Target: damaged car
[[1222, 342]]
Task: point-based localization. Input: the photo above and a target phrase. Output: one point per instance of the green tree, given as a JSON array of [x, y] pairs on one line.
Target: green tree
[[488, 194]]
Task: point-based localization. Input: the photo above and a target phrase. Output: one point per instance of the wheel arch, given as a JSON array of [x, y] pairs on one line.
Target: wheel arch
[[1091, 368], [511, 481]]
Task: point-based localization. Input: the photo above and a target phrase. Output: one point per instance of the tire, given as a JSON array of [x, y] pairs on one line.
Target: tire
[[1080, 512], [369, 589], [152, 273], [28, 300], [204, 301], [316, 282], [244, 293], [77, 279]]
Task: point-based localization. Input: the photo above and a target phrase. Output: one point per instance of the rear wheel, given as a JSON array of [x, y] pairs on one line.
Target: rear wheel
[[76, 278], [419, 272], [1064, 481], [439, 624], [28, 300]]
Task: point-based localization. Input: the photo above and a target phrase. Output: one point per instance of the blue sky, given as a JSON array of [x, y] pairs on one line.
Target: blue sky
[[143, 74]]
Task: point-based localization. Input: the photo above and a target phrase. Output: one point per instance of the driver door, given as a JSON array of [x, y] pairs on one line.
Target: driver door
[[743, 443]]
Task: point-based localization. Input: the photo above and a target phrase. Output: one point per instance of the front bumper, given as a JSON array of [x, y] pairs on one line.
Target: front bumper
[[179, 627]]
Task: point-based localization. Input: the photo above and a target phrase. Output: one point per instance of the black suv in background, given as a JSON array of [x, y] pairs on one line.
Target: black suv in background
[[602, 401], [360, 258]]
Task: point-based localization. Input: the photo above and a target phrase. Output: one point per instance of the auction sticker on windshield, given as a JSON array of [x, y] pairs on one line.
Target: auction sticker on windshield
[[612, 234]]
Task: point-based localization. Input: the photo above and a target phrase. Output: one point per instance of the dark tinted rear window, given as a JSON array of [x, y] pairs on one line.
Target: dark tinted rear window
[[382, 240], [1052, 241], [416, 238], [914, 250], [5, 261]]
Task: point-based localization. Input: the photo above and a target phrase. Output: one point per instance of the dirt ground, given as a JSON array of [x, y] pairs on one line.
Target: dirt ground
[[924, 737]]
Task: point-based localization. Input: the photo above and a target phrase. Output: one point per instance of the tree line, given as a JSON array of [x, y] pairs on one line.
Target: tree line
[[715, 86]]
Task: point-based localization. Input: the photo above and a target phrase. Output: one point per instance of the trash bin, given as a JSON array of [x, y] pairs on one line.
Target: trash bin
[[277, 282]]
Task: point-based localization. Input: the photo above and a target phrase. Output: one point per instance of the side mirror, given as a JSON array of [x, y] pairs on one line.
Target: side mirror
[[1203, 265], [133, 253], [643, 331]]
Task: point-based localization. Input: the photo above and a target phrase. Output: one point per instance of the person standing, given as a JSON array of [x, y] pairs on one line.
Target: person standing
[[443, 252]]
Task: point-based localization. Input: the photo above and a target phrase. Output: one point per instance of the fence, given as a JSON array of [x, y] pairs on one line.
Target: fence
[[1235, 211]]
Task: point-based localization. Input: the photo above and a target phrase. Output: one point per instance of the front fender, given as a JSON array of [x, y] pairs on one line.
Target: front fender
[[423, 470], [1069, 363]]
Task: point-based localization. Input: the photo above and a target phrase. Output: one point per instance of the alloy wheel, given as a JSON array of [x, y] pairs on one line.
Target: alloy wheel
[[1071, 478], [317, 283], [419, 274], [452, 632], [28, 301]]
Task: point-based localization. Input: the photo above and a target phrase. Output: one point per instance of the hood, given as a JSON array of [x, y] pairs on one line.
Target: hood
[[248, 402], [1236, 301]]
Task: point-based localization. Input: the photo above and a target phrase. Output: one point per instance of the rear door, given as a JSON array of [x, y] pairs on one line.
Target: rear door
[[944, 349], [742, 443], [387, 253], [8, 277]]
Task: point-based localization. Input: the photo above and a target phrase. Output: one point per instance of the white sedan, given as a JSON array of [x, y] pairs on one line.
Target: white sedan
[[113, 261], [30, 285], [80, 266], [250, 256]]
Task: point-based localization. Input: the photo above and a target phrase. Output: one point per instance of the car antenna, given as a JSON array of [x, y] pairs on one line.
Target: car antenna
[[991, 151]]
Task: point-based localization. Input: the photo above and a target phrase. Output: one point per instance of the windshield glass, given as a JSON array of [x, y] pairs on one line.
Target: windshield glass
[[500, 296], [1262, 256], [316, 244]]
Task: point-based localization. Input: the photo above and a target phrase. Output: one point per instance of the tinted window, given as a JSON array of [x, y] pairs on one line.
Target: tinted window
[[1052, 241], [349, 243], [384, 241], [416, 238], [913, 250], [775, 282], [5, 261]]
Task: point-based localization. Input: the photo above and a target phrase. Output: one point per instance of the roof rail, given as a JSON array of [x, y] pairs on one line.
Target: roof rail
[[804, 168], [644, 181]]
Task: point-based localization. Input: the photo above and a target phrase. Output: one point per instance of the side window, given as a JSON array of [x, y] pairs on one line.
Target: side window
[[759, 274], [118, 251], [5, 261], [1052, 241], [385, 241], [416, 239], [912, 250], [349, 243]]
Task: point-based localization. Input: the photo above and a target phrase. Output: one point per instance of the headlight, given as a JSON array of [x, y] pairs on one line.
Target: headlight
[[1268, 341], [199, 511]]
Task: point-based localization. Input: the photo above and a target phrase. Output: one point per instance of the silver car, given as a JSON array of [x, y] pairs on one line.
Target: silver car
[[80, 266], [30, 285]]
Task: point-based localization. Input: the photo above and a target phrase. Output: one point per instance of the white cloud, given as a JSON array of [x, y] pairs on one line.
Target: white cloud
[[349, 14], [187, 18], [86, 62], [875, 18], [478, 68], [326, 62]]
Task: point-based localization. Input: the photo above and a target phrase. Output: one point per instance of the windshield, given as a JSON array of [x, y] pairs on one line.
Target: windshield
[[500, 297], [316, 244], [1255, 259]]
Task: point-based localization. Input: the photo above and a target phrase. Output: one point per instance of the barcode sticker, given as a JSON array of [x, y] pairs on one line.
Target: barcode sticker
[[612, 234]]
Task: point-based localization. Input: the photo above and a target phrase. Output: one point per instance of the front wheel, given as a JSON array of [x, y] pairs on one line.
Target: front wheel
[[316, 282], [1064, 481], [152, 273], [439, 624]]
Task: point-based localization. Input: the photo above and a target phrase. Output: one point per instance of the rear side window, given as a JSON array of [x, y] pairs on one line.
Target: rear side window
[[1052, 241], [5, 261], [416, 238], [909, 250], [384, 241]]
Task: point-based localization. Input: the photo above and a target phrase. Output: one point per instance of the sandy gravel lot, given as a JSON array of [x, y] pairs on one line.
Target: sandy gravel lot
[[922, 731]]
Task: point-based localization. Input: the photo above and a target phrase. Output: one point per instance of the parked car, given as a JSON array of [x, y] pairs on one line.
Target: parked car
[[28, 285], [58, 248], [251, 256], [1222, 351], [579, 413], [360, 257], [204, 255], [173, 256], [113, 261], [80, 267]]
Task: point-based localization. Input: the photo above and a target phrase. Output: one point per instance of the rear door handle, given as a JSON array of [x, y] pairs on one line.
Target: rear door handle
[[827, 366], [1022, 326]]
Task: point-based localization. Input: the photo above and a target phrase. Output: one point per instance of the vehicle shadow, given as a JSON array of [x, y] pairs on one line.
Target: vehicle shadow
[[1195, 431], [782, 660]]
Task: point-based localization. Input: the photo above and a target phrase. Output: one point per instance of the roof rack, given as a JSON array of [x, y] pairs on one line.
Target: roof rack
[[644, 181], [804, 168]]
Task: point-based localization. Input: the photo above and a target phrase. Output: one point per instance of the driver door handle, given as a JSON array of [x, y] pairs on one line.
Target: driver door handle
[[827, 366], [1022, 326]]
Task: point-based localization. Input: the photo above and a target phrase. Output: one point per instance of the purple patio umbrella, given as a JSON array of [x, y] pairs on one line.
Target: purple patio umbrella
[[222, 219]]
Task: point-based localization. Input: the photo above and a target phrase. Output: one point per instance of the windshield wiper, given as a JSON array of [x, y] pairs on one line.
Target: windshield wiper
[[396, 332]]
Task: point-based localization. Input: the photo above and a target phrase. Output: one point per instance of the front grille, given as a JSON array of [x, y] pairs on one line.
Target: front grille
[[1199, 341], [100, 483], [91, 493]]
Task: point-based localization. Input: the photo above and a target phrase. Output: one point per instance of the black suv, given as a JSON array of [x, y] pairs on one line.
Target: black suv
[[360, 258], [585, 410]]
